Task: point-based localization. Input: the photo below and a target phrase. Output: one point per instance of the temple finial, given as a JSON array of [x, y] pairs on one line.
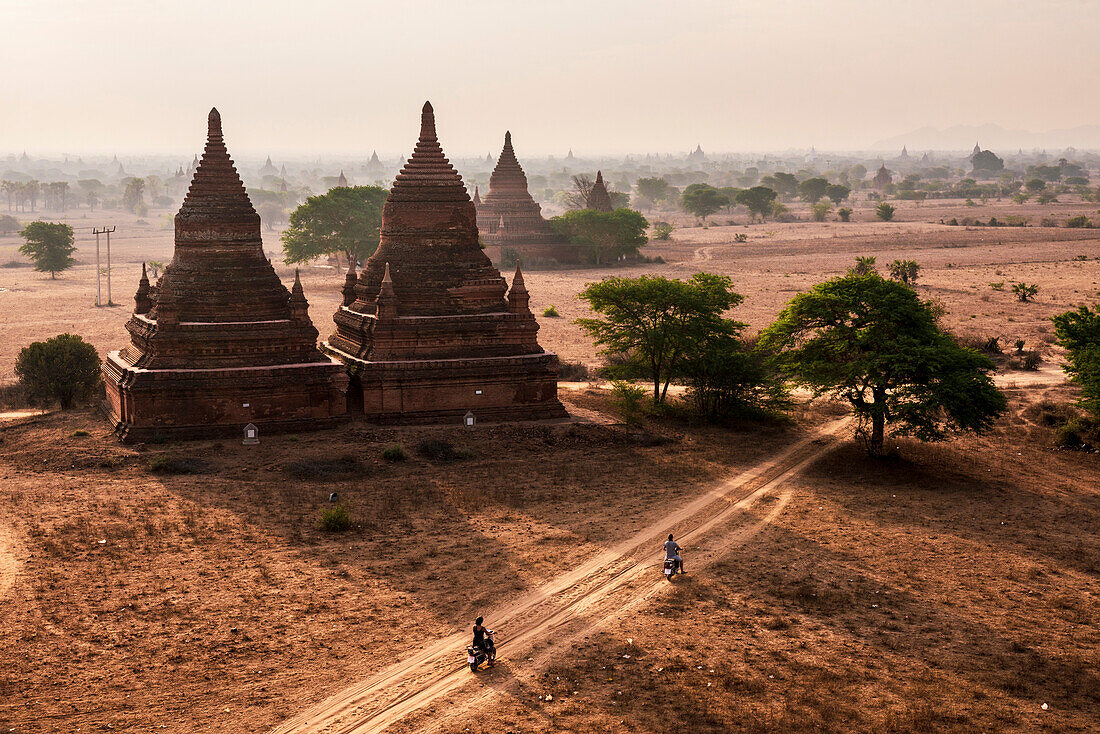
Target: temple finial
[[519, 300], [427, 122], [214, 123], [517, 279], [507, 137], [386, 304]]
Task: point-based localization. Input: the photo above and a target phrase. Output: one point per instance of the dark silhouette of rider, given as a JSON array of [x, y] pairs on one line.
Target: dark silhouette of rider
[[672, 550], [481, 640]]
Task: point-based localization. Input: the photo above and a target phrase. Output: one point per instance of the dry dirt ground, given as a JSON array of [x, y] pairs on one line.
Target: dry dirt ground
[[953, 589]]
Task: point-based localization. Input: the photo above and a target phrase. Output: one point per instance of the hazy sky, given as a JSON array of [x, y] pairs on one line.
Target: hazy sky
[[328, 76]]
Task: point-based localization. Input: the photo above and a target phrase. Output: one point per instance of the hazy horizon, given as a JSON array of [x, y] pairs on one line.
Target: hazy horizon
[[346, 78]]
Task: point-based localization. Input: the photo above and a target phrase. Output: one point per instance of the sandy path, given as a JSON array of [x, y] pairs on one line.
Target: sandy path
[[577, 602], [9, 562]]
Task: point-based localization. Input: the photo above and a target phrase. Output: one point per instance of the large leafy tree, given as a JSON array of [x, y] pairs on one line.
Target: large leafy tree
[[345, 220], [652, 190], [837, 192], [64, 369], [659, 321], [1079, 332], [50, 246], [759, 200], [874, 343], [702, 200], [603, 236], [813, 189]]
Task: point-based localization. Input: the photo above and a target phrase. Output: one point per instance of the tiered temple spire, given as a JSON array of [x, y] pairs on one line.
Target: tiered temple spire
[[598, 198], [431, 333], [220, 342]]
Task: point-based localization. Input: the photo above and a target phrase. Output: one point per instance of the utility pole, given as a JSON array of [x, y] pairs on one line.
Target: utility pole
[[97, 231]]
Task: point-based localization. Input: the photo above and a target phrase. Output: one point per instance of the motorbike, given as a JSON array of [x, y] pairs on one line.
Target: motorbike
[[672, 567], [475, 656]]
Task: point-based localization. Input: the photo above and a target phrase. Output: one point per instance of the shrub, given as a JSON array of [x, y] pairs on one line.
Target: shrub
[[79, 434], [1020, 346], [1025, 291], [845, 213], [628, 399], [1078, 433], [729, 380], [998, 286], [335, 519], [662, 231], [864, 266], [550, 312], [394, 453], [885, 211], [905, 271], [1031, 361], [740, 237], [572, 371], [1079, 222], [992, 345], [64, 369], [820, 210]]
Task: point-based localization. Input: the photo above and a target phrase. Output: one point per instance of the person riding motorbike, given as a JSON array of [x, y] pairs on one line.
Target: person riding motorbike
[[672, 552], [482, 641]]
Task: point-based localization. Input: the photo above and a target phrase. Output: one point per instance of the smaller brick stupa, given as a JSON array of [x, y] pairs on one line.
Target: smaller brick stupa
[[219, 342], [509, 218], [429, 330], [598, 198]]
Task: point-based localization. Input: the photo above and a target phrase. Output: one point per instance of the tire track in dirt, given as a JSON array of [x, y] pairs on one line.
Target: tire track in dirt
[[9, 562], [607, 585]]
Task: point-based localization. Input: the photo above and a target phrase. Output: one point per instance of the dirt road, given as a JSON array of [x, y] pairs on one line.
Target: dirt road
[[573, 604]]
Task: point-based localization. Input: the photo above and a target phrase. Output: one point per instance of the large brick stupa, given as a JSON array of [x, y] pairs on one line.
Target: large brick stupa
[[509, 218], [429, 331], [220, 342]]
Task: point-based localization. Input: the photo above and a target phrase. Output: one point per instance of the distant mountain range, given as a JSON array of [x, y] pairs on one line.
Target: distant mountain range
[[992, 137]]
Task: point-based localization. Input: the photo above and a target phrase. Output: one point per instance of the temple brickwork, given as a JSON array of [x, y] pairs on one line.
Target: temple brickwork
[[508, 217], [220, 342], [429, 329], [598, 198]]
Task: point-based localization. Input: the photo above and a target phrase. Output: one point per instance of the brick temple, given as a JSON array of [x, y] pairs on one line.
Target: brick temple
[[598, 198], [429, 330], [220, 342], [509, 218]]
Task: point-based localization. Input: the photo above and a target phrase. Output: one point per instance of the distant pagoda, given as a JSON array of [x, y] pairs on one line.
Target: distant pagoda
[[220, 342], [598, 198], [509, 217], [429, 330], [883, 177]]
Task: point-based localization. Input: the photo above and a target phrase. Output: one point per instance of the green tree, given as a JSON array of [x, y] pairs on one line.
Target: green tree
[[64, 369], [652, 190], [1035, 185], [758, 200], [662, 231], [1079, 333], [874, 343], [813, 189], [864, 266], [8, 224], [904, 271], [603, 236], [50, 246], [845, 213], [728, 379], [133, 196], [1025, 291], [345, 220], [837, 193], [885, 211], [659, 321], [784, 184], [702, 200], [820, 210], [987, 162]]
